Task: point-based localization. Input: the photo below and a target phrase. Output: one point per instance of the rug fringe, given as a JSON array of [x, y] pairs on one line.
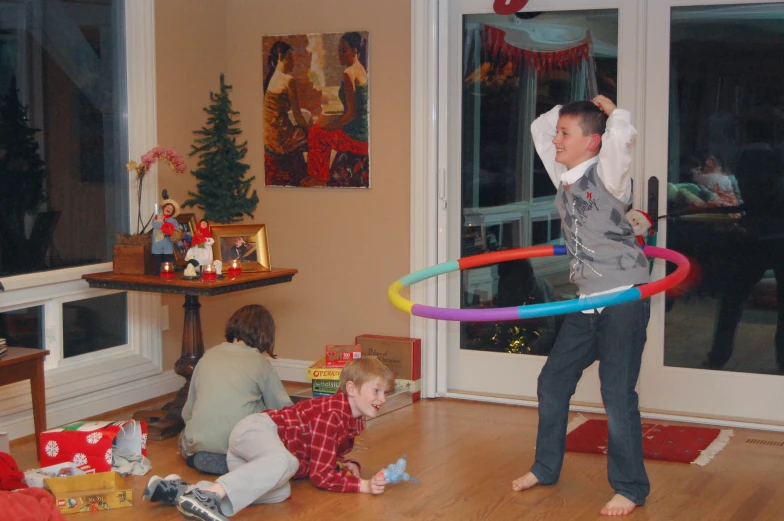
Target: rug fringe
[[714, 448], [576, 422]]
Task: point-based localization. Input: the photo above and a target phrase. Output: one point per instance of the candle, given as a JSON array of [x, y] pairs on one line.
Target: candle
[[208, 272], [235, 267], [167, 270]]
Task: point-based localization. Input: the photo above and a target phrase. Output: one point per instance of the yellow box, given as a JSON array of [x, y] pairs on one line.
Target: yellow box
[[320, 371], [90, 492]]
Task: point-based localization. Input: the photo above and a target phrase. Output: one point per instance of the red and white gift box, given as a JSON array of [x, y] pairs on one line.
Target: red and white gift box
[[91, 443]]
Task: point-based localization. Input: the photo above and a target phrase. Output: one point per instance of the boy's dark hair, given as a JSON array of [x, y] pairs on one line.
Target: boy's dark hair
[[253, 325], [590, 117]]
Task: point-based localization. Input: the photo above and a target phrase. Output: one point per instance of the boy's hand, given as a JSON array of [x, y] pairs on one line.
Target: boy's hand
[[604, 103], [351, 467], [374, 485]]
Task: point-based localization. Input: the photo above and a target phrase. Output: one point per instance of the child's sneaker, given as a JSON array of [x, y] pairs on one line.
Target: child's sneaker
[[165, 490], [200, 505]]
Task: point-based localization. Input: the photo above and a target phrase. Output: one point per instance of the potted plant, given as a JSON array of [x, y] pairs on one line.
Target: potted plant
[[132, 253]]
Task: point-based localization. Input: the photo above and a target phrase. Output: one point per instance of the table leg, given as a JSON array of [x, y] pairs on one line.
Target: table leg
[[38, 390], [166, 423]]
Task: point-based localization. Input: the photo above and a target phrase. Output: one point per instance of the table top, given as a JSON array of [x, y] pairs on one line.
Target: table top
[[199, 287], [15, 355]]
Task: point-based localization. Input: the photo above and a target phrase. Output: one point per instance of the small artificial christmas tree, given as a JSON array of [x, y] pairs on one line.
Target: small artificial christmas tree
[[223, 191], [22, 171]]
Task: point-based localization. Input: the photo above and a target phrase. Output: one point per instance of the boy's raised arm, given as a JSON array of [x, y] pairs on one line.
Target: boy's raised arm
[[615, 154], [543, 130]]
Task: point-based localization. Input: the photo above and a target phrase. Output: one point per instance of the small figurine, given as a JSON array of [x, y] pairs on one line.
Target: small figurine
[[163, 226], [190, 271], [201, 245], [218, 267]]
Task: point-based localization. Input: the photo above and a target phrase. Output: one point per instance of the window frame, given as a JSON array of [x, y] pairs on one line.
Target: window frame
[[109, 376]]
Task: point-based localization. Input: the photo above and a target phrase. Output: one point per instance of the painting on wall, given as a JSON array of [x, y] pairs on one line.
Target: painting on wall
[[316, 110]]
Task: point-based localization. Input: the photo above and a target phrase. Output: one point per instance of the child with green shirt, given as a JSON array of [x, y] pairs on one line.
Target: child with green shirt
[[231, 381]]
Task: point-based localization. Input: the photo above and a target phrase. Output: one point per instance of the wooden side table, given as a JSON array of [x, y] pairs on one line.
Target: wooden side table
[[167, 422], [22, 363]]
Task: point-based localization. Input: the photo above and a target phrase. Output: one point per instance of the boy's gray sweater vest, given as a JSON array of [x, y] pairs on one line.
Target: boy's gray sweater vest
[[603, 249]]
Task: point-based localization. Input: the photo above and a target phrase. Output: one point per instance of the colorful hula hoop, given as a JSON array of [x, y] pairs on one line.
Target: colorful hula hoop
[[534, 310]]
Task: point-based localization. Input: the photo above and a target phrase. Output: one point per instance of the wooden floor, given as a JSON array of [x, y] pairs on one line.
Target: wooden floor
[[467, 453]]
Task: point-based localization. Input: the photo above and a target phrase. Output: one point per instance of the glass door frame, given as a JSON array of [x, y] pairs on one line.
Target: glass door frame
[[737, 398], [430, 186]]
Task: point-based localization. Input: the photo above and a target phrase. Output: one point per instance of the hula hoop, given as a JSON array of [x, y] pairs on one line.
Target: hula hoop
[[534, 310]]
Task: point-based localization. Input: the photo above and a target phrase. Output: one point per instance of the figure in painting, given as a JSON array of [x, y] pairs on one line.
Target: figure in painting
[[338, 150], [285, 123]]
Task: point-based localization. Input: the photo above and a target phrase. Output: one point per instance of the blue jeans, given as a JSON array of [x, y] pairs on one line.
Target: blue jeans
[[616, 337]]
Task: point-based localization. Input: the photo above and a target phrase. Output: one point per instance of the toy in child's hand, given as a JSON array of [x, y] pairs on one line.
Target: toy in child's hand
[[396, 472], [641, 224]]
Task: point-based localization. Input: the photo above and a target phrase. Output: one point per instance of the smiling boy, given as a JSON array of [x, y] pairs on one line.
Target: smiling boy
[[585, 147], [308, 439]]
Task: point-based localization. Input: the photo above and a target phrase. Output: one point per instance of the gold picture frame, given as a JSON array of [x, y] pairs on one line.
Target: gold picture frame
[[187, 225], [246, 242]]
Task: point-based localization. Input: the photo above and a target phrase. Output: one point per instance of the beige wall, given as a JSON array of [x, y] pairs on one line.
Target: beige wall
[[348, 245]]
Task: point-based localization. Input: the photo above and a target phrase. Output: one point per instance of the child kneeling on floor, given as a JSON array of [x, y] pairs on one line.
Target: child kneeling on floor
[[231, 381], [308, 439]]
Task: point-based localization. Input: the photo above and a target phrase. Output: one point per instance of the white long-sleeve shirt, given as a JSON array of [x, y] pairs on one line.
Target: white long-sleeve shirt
[[614, 159]]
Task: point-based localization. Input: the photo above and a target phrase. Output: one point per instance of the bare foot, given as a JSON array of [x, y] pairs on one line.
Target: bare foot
[[524, 483], [618, 506]]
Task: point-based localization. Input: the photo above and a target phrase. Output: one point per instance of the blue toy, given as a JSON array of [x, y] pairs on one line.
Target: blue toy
[[396, 472]]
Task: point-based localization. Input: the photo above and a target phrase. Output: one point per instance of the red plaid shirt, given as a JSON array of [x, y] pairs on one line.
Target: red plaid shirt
[[319, 433]]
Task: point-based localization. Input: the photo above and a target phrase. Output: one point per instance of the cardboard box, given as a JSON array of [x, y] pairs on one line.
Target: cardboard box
[[402, 355], [320, 371], [90, 492], [36, 477], [338, 355]]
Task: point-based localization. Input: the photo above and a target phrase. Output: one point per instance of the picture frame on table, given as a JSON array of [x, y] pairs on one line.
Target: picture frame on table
[[244, 242], [187, 222]]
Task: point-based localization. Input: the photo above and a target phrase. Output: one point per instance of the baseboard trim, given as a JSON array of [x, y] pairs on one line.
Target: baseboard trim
[[291, 370], [94, 403]]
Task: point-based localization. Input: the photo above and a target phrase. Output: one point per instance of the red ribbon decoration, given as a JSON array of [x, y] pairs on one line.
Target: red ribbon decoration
[[506, 7], [499, 52]]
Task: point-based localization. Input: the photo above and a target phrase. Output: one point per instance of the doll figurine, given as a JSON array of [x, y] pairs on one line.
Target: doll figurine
[[201, 245], [162, 246]]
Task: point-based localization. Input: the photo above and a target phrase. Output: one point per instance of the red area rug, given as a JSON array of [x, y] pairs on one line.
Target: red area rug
[[677, 443]]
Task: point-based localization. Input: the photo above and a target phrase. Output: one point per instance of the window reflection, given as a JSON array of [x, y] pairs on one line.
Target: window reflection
[[726, 187], [514, 69], [23, 327]]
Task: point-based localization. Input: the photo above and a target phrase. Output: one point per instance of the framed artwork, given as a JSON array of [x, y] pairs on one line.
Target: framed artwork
[[316, 110], [187, 223], [244, 242]]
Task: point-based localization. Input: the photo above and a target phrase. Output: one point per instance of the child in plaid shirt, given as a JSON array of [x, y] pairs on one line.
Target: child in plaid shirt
[[308, 439]]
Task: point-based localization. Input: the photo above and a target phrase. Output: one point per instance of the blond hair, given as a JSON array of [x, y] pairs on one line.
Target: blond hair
[[366, 369]]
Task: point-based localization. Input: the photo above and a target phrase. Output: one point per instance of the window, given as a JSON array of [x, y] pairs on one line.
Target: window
[[62, 133], [68, 60]]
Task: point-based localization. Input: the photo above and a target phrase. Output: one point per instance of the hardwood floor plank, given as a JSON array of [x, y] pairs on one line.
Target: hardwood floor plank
[[468, 453]]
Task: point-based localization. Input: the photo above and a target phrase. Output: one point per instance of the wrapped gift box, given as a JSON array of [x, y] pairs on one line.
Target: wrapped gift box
[[92, 443]]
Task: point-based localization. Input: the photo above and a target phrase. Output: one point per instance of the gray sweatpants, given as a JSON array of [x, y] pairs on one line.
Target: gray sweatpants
[[260, 466]]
